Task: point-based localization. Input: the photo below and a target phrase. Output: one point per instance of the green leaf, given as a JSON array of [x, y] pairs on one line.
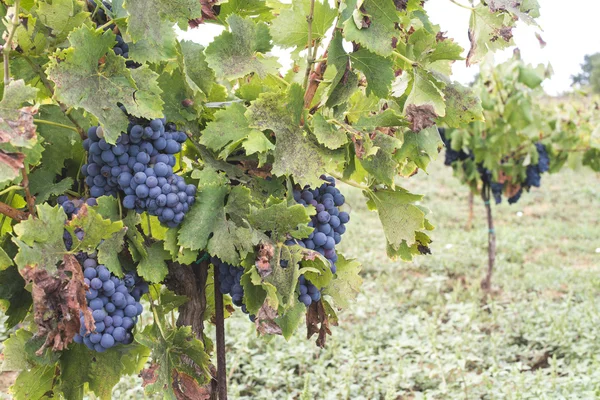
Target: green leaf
[[280, 219], [346, 285], [204, 214], [178, 253], [60, 144], [17, 299], [228, 130], [89, 76], [290, 28], [373, 25], [295, 154], [291, 320], [108, 252], [61, 16], [531, 77], [172, 354], [488, 32], [382, 164], [150, 24], [80, 366], [40, 240], [421, 147], [236, 53], [378, 71], [95, 229], [197, 73], [399, 216], [425, 93], [33, 383], [527, 10], [327, 134], [153, 267], [462, 106]]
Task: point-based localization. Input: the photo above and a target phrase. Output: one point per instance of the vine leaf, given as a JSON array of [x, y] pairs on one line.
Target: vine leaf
[[425, 101], [290, 29], [527, 11], [60, 144], [95, 229], [378, 71], [237, 53], [17, 131], [295, 154], [178, 351], [228, 130], [152, 266], [327, 134], [399, 216], [204, 213], [198, 75], [346, 285], [488, 32], [108, 252], [373, 25], [290, 321], [13, 292], [463, 106], [90, 76], [150, 25], [421, 147], [61, 17], [279, 219], [100, 371]]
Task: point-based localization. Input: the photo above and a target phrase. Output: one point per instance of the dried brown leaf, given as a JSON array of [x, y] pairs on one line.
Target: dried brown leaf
[[420, 117]]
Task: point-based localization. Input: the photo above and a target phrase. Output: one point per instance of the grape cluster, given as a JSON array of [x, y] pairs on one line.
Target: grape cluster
[[329, 225], [329, 222], [114, 303], [71, 207], [451, 154], [532, 179], [230, 283], [140, 165]]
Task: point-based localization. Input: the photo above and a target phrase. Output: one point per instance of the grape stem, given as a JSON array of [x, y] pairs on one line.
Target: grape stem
[[30, 199], [11, 189], [12, 212], [280, 79], [347, 182], [405, 59], [462, 5], [44, 122], [486, 283], [8, 44], [310, 59]]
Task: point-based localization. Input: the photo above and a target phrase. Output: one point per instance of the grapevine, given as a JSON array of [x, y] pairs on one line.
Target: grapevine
[[141, 172]]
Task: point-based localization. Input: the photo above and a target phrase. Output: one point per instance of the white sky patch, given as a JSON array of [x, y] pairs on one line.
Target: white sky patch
[[570, 31]]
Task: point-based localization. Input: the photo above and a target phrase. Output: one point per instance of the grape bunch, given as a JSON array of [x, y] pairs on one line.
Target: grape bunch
[[115, 306], [451, 154], [229, 279], [140, 165], [329, 225], [532, 176]]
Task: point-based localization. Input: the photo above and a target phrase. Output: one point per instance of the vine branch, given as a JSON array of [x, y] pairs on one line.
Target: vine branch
[[44, 122], [462, 5], [28, 196], [12, 212], [8, 44], [310, 59]]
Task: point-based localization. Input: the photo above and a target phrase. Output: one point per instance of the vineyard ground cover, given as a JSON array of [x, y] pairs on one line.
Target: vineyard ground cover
[[420, 330]]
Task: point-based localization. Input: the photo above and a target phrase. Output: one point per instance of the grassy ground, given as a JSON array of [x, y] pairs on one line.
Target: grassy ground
[[421, 330]]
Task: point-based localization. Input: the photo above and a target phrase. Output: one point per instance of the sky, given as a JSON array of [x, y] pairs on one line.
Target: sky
[[570, 32]]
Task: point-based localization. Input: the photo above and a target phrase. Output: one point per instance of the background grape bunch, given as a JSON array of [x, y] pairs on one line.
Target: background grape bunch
[[140, 166]]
